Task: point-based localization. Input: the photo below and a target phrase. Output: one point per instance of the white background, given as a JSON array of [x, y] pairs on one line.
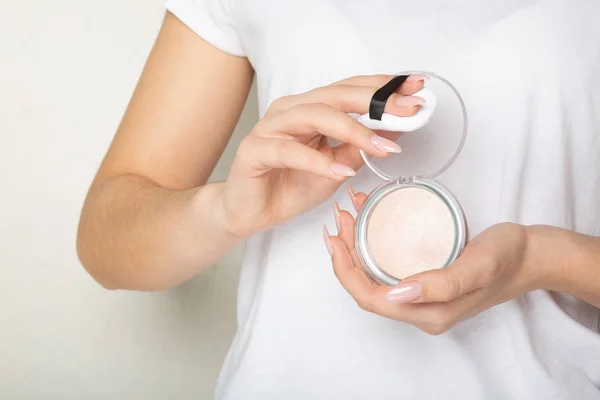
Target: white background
[[67, 70]]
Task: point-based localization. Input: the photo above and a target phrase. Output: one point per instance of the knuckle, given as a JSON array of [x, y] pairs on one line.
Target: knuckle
[[300, 110], [488, 258], [338, 268], [279, 149], [279, 104], [382, 79], [453, 287], [488, 275], [246, 154], [245, 147], [336, 271], [334, 95], [434, 329], [315, 107], [490, 268], [317, 95], [353, 128], [366, 304], [314, 112], [438, 323], [311, 158], [260, 127]]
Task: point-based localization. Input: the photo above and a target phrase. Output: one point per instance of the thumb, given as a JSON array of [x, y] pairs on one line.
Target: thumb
[[440, 285]]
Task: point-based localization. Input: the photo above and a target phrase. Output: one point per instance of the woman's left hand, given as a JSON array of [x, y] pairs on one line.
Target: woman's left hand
[[493, 268]]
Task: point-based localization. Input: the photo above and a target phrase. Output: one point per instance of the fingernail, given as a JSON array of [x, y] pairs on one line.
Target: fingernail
[[409, 101], [342, 170], [406, 292], [353, 198], [418, 77], [336, 214], [384, 144], [327, 240]]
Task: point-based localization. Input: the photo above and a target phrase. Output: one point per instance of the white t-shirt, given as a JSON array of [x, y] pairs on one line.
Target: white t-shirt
[[529, 71]]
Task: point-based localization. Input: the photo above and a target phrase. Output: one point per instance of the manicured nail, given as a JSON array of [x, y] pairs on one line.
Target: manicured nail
[[342, 170], [406, 292], [409, 101], [384, 144], [353, 198], [418, 77], [336, 214], [327, 240]]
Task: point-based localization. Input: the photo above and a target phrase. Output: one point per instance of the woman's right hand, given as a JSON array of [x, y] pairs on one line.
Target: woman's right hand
[[285, 166]]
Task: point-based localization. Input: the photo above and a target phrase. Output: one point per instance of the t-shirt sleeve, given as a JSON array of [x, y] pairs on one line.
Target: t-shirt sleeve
[[210, 19]]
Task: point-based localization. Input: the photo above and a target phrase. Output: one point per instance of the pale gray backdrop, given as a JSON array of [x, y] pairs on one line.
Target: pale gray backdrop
[[67, 70]]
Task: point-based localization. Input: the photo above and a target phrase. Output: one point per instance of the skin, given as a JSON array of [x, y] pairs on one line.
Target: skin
[[500, 264], [151, 221]]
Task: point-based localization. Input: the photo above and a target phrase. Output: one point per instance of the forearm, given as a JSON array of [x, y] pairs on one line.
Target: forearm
[[570, 261], [136, 235]]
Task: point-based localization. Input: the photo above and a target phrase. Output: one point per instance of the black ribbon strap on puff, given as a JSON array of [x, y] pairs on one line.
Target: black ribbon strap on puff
[[382, 95]]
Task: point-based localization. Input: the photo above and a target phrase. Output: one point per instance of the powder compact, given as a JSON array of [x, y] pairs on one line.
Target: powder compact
[[412, 223]]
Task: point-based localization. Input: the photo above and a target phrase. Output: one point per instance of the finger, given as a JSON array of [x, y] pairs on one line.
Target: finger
[[434, 318], [446, 284], [357, 199], [345, 225], [263, 154], [351, 99], [369, 295], [353, 279], [437, 318], [349, 155], [391, 135], [413, 83], [308, 119]]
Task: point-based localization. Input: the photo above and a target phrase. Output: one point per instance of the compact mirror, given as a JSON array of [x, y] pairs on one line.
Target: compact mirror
[[412, 223]]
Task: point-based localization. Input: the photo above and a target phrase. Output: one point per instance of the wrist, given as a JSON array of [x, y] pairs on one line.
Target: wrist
[[537, 257], [209, 201], [558, 255]]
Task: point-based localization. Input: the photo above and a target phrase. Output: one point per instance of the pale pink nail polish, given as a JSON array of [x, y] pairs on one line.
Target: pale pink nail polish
[[384, 144], [327, 240], [409, 101], [353, 198], [406, 292], [418, 77], [342, 170], [336, 214]]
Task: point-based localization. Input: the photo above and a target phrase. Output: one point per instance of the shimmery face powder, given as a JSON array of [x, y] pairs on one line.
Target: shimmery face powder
[[412, 223], [411, 230]]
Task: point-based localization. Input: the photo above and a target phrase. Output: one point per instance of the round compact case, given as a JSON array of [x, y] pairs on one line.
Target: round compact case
[[412, 223]]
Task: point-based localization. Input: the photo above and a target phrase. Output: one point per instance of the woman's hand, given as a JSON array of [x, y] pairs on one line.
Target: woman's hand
[[285, 166], [494, 267]]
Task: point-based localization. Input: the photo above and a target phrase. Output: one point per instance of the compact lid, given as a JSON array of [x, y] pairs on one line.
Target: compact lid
[[431, 140]]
